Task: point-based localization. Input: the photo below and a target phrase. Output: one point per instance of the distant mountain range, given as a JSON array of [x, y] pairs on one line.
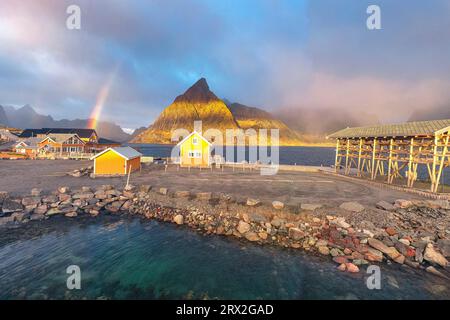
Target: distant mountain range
[[200, 103], [27, 117]]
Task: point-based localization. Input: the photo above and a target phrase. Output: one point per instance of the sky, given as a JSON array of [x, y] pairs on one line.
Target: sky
[[136, 56]]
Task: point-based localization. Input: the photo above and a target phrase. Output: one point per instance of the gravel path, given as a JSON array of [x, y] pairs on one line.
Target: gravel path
[[18, 177]]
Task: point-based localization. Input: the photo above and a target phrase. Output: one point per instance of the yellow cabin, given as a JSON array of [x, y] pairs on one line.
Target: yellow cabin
[[117, 161], [195, 151]]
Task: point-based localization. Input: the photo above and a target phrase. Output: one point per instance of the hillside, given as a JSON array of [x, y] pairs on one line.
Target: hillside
[[254, 118], [200, 103]]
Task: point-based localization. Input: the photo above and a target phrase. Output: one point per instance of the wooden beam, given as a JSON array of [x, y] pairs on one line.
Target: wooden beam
[[374, 149], [391, 146], [336, 164]]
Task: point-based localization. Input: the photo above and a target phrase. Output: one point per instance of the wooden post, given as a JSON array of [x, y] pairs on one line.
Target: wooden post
[[410, 163], [441, 165], [391, 146], [128, 178], [347, 170], [374, 150], [433, 168], [359, 157], [337, 157]]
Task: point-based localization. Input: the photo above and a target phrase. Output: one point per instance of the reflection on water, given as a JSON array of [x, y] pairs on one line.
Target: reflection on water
[[133, 259]]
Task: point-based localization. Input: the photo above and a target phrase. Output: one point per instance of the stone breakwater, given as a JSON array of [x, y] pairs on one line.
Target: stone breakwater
[[413, 233]]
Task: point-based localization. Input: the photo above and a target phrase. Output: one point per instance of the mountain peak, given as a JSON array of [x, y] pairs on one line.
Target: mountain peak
[[198, 92]]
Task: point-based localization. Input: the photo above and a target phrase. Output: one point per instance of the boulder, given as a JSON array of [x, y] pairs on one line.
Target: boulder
[[383, 205], [433, 256], [278, 205], [114, 206], [50, 199], [439, 204], [351, 267], [83, 195], [342, 267], [391, 231], [402, 203], [129, 187], [340, 222], [256, 217], [31, 201], [204, 196], [63, 189], [310, 206], [226, 197], [71, 214], [444, 246], [64, 197], [321, 242], [352, 206], [19, 216], [10, 206], [340, 260], [35, 192], [263, 235], [178, 219], [163, 191], [251, 236], [182, 194], [252, 202], [3, 196], [42, 209], [296, 234], [53, 211], [373, 255], [86, 189], [243, 227], [323, 250], [277, 222]]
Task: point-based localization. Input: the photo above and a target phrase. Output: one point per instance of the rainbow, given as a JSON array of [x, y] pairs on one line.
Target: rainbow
[[102, 96]]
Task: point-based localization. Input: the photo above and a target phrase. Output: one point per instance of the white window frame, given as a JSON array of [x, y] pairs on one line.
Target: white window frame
[[195, 141], [195, 154]]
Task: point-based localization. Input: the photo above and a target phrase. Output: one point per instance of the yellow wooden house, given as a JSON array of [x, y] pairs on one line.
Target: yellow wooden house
[[117, 161], [195, 151]]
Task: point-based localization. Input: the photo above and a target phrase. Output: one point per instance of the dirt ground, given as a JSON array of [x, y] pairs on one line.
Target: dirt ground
[[18, 177]]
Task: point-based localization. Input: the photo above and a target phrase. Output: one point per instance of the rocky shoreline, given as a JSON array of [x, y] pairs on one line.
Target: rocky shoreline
[[415, 234]]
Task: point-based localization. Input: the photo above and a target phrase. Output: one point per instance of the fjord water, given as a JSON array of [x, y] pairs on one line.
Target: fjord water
[[135, 259]]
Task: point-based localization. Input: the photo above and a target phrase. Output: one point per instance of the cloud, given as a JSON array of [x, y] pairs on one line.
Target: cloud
[[274, 54]]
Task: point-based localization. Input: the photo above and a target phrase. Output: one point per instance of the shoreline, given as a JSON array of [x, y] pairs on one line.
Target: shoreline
[[306, 145], [350, 246]]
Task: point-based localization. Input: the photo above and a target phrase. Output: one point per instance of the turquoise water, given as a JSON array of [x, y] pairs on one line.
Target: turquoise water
[[134, 259]]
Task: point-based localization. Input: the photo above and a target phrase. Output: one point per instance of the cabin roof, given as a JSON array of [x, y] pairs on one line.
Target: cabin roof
[[407, 129], [30, 142], [125, 152], [192, 133], [82, 133], [60, 138]]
